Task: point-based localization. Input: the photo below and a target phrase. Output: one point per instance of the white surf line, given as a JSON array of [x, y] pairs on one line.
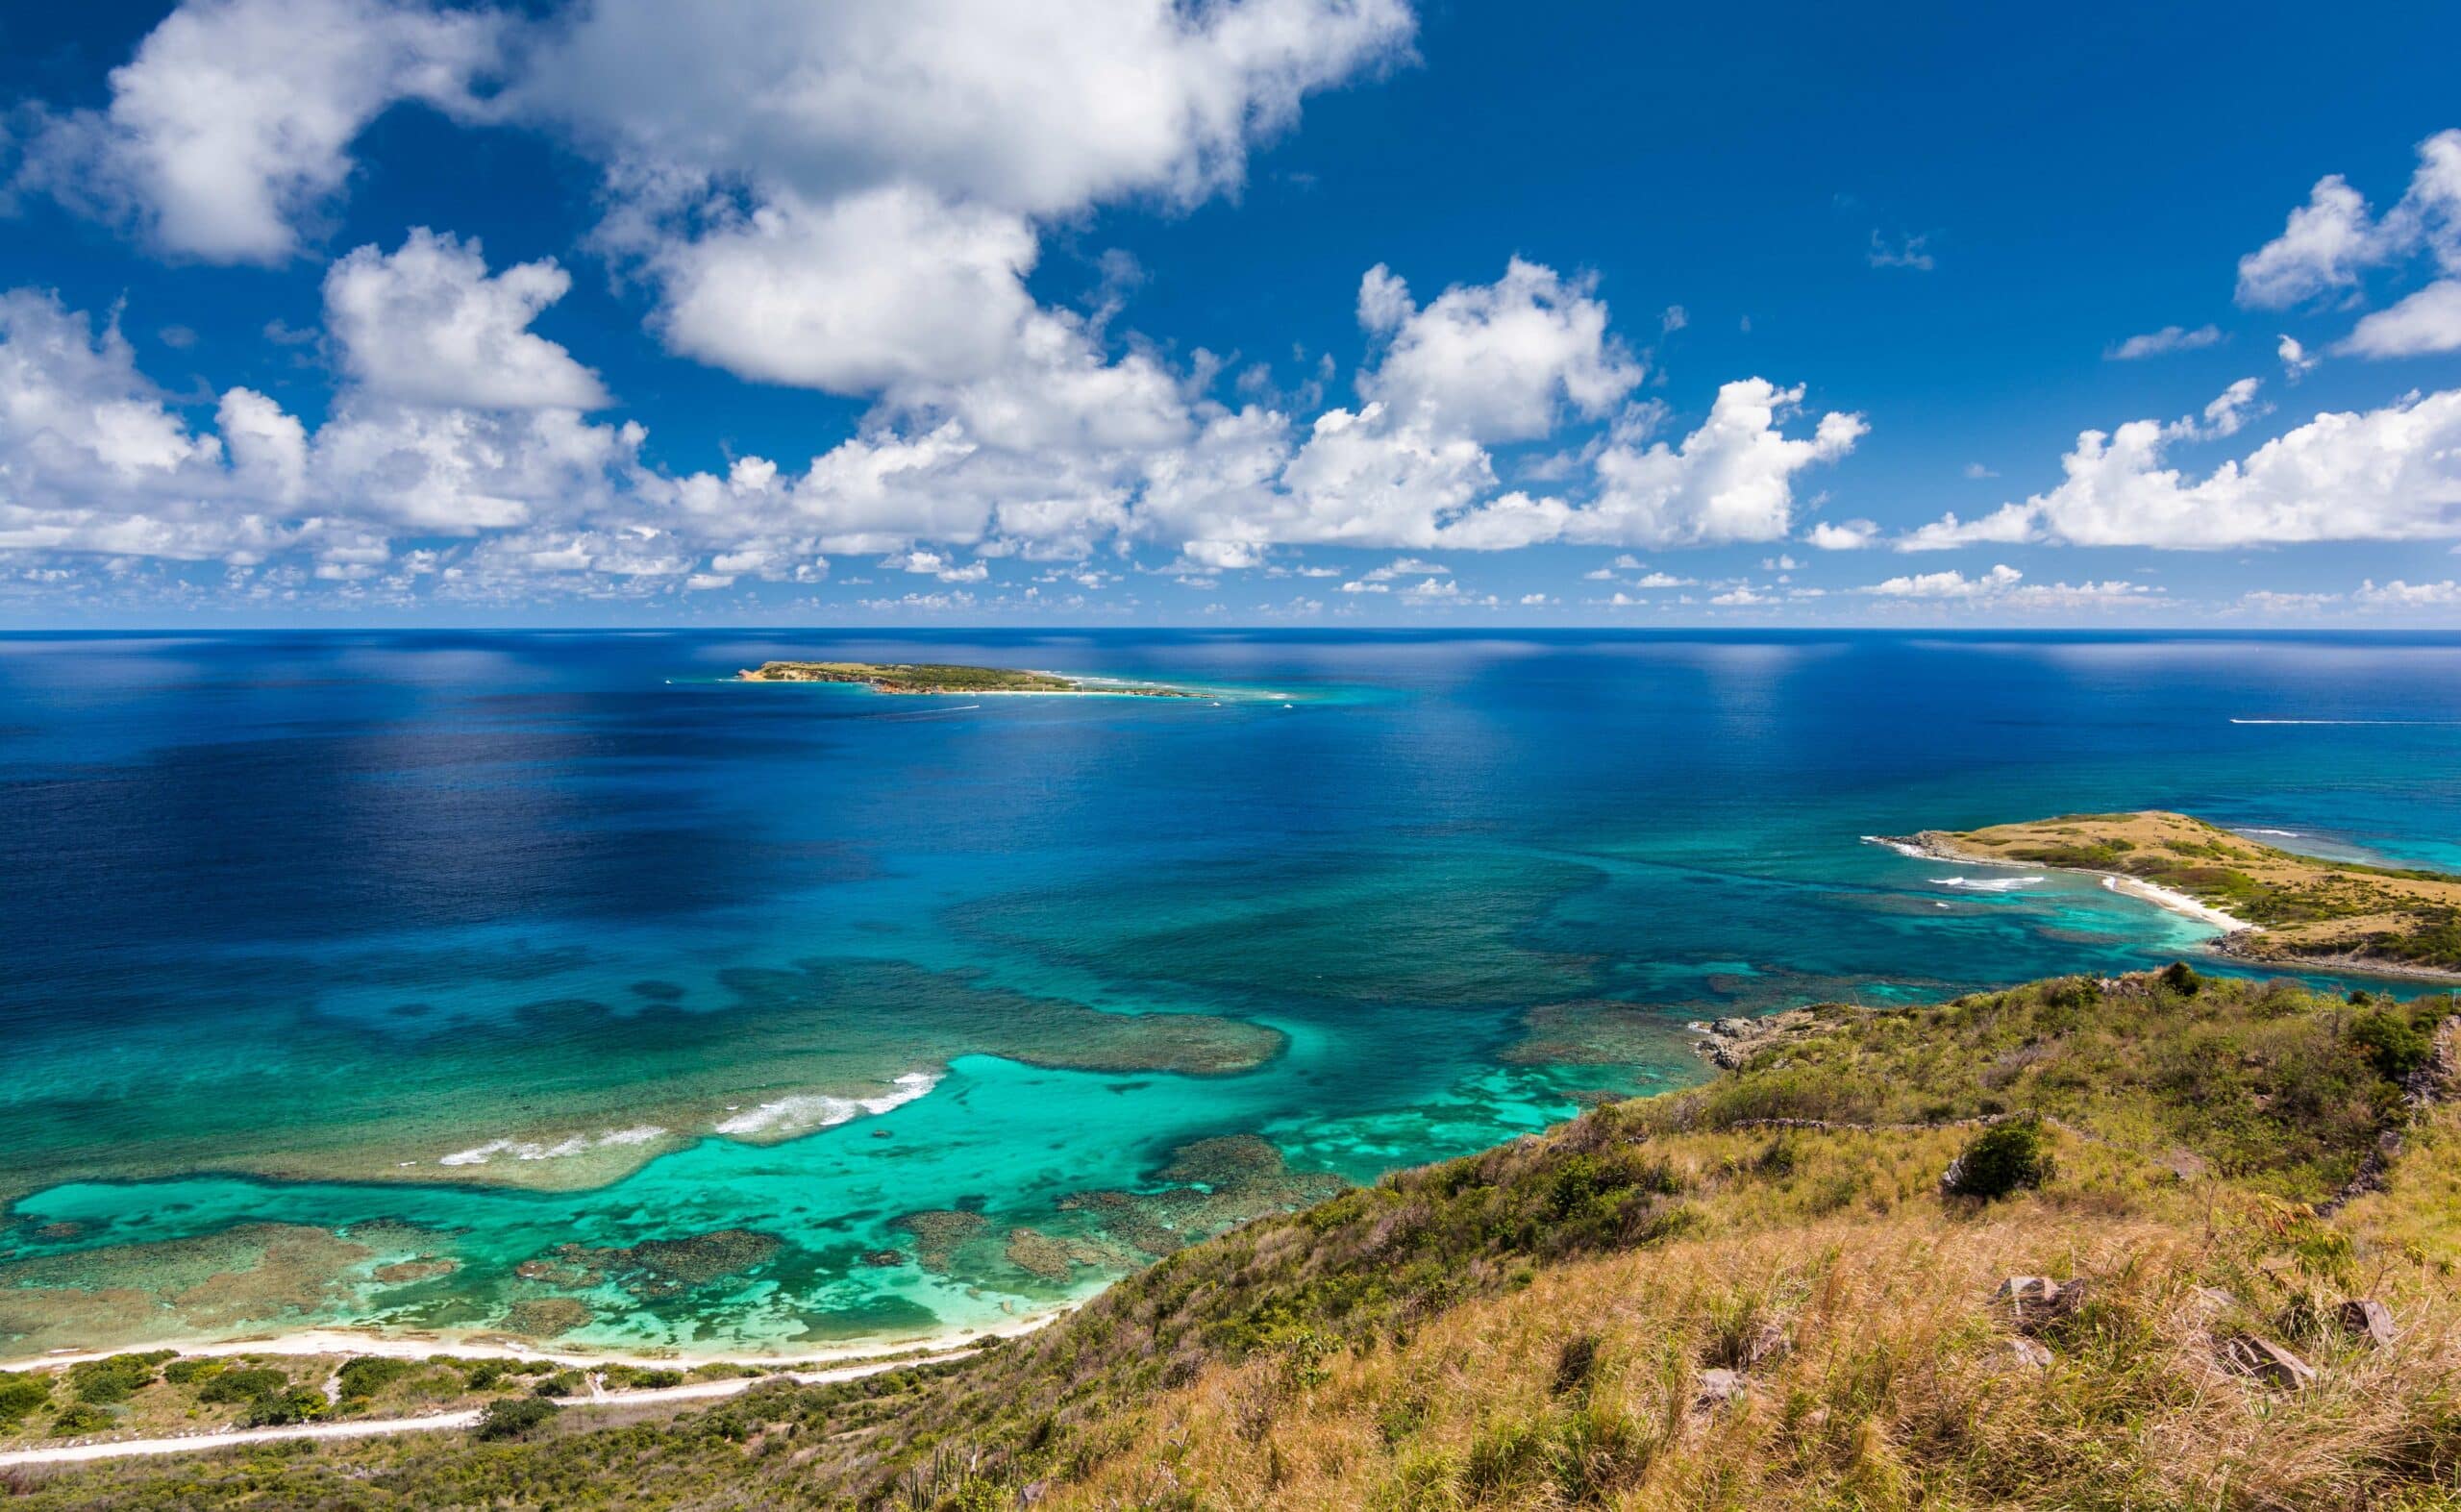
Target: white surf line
[[2160, 897], [379, 1427]]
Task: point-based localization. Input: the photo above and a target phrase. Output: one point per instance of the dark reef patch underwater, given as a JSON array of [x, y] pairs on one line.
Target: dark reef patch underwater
[[549, 985]]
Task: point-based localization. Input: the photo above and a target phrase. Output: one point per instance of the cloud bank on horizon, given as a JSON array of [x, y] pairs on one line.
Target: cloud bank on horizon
[[860, 211]]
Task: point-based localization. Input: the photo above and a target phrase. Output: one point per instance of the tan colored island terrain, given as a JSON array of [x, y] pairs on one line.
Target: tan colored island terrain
[[2291, 909], [934, 676]]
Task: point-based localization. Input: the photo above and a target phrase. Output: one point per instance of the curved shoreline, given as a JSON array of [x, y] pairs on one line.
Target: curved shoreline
[[1923, 848], [2235, 940]]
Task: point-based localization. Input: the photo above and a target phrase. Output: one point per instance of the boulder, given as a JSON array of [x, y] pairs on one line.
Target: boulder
[[1767, 1343], [2264, 1360], [2036, 1301], [2027, 1352], [1717, 1388], [2367, 1321]]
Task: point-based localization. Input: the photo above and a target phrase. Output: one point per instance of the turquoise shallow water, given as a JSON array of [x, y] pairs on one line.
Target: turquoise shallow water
[[416, 980]]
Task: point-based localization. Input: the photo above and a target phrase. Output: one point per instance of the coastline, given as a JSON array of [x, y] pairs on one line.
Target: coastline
[[2177, 901], [2238, 947], [496, 1346], [1926, 847], [2237, 938]]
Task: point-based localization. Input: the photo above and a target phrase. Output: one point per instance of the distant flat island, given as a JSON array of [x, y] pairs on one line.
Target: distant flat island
[[2277, 906], [937, 677]]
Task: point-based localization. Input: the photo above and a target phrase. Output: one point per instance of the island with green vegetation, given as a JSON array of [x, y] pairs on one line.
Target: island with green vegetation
[[2157, 1239], [2277, 905], [935, 677]]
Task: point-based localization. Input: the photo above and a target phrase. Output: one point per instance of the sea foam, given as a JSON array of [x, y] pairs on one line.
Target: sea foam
[[820, 1110], [1986, 885], [528, 1150]]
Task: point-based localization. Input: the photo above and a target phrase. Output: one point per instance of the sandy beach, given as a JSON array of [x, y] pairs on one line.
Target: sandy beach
[[2175, 902]]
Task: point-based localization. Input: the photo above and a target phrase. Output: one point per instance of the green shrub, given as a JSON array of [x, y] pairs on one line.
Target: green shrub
[[513, 1417], [2181, 978], [300, 1404], [367, 1376], [21, 1395], [2391, 1043], [192, 1369], [2002, 1159], [116, 1378], [80, 1417], [253, 1384]]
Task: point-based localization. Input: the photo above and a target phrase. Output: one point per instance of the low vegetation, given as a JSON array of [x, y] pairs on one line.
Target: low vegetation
[[2063, 1246], [160, 1392]]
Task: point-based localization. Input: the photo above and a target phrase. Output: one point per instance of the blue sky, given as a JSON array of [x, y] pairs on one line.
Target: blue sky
[[1313, 311]]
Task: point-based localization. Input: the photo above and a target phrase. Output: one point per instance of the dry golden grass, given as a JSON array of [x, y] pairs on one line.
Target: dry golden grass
[[1901, 1383]]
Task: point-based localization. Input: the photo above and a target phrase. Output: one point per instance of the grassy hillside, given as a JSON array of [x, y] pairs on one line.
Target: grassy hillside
[[1753, 1293]]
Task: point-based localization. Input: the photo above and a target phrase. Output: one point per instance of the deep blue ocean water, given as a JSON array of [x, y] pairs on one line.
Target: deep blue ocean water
[[353, 977]]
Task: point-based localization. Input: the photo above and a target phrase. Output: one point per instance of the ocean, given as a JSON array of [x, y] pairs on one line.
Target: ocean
[[554, 984]]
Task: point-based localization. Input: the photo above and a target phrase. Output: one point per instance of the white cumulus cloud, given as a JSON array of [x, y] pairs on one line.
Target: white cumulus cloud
[[428, 324], [2332, 241], [2388, 474], [230, 128]]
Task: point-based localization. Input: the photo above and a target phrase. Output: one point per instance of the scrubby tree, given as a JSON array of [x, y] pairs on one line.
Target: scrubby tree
[[513, 1417], [2004, 1158]]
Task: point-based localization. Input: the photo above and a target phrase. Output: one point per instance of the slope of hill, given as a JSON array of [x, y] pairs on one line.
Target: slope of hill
[[2231, 1212]]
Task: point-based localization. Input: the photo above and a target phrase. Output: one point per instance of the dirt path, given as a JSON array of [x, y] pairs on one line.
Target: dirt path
[[377, 1427]]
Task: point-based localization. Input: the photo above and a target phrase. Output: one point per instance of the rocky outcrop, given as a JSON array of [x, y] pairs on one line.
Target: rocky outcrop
[[2035, 1302], [2261, 1359], [2366, 1322], [2420, 1091], [1730, 1042]]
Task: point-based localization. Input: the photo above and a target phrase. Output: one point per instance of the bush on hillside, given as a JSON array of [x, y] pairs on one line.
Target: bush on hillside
[[2004, 1158], [80, 1417], [300, 1404], [250, 1385], [2391, 1043], [367, 1376], [116, 1378], [21, 1395], [513, 1417]]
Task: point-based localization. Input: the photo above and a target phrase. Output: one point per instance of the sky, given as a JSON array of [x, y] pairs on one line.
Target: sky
[[1382, 312]]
